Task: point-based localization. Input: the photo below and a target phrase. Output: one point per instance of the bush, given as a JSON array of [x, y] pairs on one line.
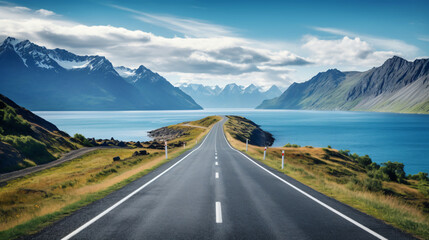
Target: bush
[[364, 161], [329, 146], [372, 185], [292, 145], [394, 170], [421, 176], [345, 152], [82, 140]]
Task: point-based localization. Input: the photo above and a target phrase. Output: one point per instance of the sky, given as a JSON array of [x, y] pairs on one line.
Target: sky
[[221, 42]]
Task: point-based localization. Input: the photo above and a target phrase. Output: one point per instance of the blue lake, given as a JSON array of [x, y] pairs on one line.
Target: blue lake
[[383, 136]]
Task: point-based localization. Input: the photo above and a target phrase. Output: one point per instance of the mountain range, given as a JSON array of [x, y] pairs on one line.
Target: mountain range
[[231, 96], [55, 79], [396, 86]]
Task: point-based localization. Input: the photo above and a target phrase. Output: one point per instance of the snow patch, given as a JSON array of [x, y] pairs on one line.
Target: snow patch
[[125, 72], [72, 64]]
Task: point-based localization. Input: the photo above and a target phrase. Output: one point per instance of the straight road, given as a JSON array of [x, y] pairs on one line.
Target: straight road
[[216, 192]]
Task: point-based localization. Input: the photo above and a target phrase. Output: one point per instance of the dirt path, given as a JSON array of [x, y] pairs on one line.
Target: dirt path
[[67, 157]]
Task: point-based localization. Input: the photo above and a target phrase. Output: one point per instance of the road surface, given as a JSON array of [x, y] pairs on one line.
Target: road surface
[[216, 192]]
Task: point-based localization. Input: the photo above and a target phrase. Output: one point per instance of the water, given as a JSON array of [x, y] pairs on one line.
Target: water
[[383, 136]]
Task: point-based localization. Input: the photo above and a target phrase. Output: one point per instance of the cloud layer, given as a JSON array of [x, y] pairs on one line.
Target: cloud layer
[[208, 53]]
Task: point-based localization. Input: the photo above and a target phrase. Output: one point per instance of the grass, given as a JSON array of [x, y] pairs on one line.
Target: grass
[[30, 203], [331, 173]]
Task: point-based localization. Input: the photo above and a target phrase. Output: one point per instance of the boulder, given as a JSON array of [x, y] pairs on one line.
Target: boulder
[[117, 158]]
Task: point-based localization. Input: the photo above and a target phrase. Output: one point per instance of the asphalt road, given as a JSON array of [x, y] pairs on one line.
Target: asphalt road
[[216, 192]]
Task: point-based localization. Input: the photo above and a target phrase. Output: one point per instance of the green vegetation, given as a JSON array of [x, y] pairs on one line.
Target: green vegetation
[[29, 147], [383, 191], [82, 140], [292, 145], [24, 143], [33, 202]]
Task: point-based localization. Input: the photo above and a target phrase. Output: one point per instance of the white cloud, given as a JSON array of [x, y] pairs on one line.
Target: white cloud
[[188, 27], [344, 52], [45, 12], [380, 43], [207, 53]]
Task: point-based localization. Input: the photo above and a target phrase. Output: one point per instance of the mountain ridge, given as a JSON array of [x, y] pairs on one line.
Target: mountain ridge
[[396, 86], [55, 79]]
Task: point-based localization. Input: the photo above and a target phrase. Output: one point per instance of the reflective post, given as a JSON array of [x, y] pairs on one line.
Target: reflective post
[[265, 152], [283, 158], [166, 151]]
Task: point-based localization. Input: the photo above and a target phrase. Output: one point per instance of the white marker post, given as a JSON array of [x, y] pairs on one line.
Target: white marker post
[[283, 158], [166, 151], [265, 152], [247, 142]]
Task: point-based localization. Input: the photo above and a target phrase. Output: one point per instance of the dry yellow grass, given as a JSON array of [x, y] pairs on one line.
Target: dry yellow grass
[[51, 190], [331, 177]]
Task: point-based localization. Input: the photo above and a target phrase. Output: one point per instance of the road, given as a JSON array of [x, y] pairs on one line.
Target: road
[[216, 192], [4, 177]]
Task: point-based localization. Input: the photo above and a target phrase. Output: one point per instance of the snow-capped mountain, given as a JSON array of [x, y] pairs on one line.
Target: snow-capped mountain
[[55, 79], [231, 96]]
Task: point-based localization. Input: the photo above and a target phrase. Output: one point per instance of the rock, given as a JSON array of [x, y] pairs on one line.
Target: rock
[[143, 152], [116, 158], [156, 145], [139, 145], [140, 153], [121, 144]]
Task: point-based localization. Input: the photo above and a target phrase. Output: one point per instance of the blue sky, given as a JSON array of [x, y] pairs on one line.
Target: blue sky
[[218, 42]]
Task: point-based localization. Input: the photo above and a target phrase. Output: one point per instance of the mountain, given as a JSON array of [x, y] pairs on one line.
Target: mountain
[[231, 96], [26, 139], [396, 86], [55, 79]]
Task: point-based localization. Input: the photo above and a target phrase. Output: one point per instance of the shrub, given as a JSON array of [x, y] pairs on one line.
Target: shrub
[[394, 170], [364, 161], [372, 185], [329, 146], [421, 176], [292, 145], [82, 140], [345, 152]]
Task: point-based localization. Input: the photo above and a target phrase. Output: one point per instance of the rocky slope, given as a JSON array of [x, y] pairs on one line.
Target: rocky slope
[[396, 86], [55, 79], [241, 129], [26, 139]]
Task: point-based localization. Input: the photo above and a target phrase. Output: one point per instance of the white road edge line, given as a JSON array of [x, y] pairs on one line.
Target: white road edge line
[[311, 197], [216, 163], [216, 157], [217, 175], [87, 224], [218, 212]]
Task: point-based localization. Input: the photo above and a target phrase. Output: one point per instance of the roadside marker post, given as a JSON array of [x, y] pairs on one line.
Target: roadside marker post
[[283, 158], [265, 152], [166, 151], [247, 143]]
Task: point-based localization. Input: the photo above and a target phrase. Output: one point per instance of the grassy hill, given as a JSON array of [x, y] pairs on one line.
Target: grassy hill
[[28, 140], [383, 191]]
